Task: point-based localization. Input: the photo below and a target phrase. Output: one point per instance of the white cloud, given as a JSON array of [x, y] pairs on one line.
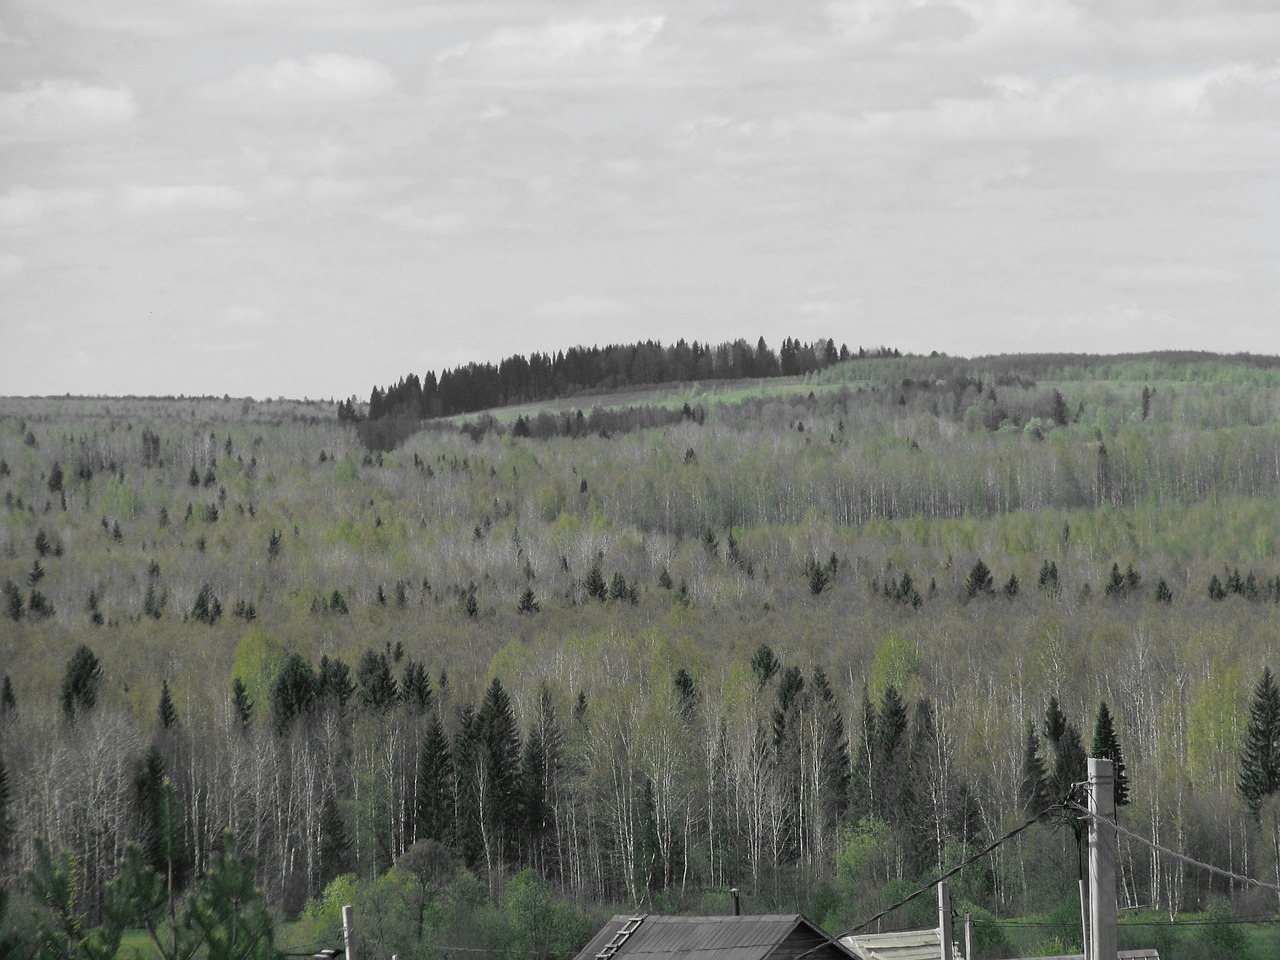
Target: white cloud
[[320, 78], [12, 266], [151, 199], [60, 108], [444, 224], [27, 205], [578, 49], [577, 308]]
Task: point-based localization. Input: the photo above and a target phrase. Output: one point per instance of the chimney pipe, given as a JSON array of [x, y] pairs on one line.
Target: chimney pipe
[[737, 907]]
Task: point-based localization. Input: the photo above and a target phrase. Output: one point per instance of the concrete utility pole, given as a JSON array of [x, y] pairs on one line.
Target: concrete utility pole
[[1102, 860], [348, 931], [944, 920]]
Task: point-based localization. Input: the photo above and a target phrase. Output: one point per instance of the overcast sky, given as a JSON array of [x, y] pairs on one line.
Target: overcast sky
[[308, 197]]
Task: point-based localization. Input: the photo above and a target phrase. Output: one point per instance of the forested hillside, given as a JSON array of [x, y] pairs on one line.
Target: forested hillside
[[818, 637]]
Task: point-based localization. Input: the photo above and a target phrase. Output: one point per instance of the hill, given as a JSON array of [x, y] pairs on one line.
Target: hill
[[790, 634]]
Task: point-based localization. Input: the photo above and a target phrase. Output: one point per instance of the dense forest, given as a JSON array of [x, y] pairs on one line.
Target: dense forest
[[818, 636], [578, 370]]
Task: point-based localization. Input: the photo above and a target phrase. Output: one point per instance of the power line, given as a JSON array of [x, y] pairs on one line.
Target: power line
[[1159, 848], [957, 868]]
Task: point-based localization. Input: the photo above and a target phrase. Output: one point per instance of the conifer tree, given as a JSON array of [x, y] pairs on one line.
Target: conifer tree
[[8, 704], [166, 711], [1260, 753], [335, 844], [241, 703], [979, 579], [499, 741], [14, 604], [434, 807], [333, 682], [1106, 746], [207, 608], [1032, 787], [378, 691], [293, 692], [80, 683], [415, 688]]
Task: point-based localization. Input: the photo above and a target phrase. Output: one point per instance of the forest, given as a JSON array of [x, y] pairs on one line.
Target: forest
[[819, 636]]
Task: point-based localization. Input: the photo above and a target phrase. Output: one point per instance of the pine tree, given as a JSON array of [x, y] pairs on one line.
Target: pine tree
[[293, 692], [1106, 746], [241, 703], [499, 741], [378, 692], [333, 682], [1032, 784], [80, 683], [14, 604], [207, 608], [6, 816], [335, 844], [1260, 753], [595, 584], [764, 665], [168, 714], [434, 808], [415, 688], [8, 704], [528, 602], [979, 580]]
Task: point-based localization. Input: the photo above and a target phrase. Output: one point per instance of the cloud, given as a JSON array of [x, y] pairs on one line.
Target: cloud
[[448, 223], [317, 79], [60, 108], [577, 307], [26, 205], [12, 266], [578, 49], [150, 199]]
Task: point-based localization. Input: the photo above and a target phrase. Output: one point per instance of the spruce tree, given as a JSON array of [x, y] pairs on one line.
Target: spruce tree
[[293, 692], [499, 741], [166, 711], [434, 807], [1106, 745], [979, 580], [335, 844], [8, 704], [1032, 782], [80, 683], [241, 703], [1260, 753], [14, 604], [415, 688], [333, 682], [378, 691]]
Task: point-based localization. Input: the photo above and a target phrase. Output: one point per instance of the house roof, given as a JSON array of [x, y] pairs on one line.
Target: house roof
[[763, 937], [902, 945]]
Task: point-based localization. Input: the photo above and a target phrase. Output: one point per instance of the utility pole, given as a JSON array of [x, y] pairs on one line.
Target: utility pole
[[348, 931], [1102, 860], [945, 930]]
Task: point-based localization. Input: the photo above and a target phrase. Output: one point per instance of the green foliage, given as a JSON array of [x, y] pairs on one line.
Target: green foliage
[[207, 608], [979, 580], [80, 683], [1260, 753], [293, 692], [63, 930], [1106, 745], [166, 711]]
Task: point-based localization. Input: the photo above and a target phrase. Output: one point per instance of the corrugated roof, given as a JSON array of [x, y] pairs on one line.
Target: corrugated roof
[[757, 937], [902, 945]]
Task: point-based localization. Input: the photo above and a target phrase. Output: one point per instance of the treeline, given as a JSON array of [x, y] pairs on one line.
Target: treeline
[[566, 373], [981, 541]]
